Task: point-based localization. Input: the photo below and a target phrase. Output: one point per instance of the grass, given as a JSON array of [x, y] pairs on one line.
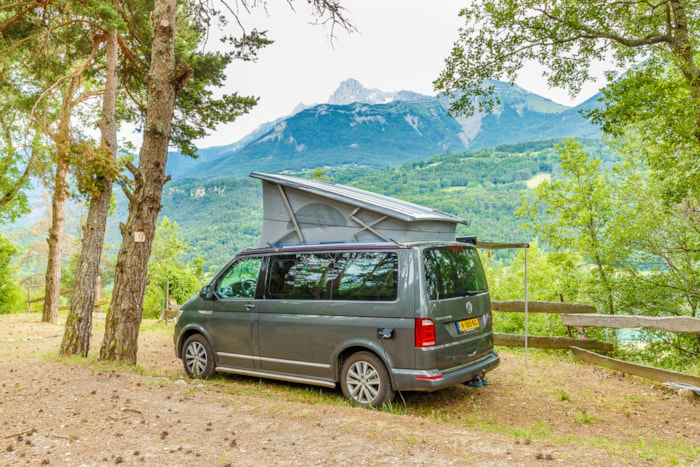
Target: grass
[[584, 417]]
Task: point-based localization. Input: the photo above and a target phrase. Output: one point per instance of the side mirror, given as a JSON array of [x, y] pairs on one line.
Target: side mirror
[[206, 292]]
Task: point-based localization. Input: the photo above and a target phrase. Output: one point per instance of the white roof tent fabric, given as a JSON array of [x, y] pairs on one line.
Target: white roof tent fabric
[[298, 210]]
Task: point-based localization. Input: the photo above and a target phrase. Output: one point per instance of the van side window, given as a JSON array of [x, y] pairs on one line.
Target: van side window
[[367, 276], [334, 276], [453, 272], [240, 280]]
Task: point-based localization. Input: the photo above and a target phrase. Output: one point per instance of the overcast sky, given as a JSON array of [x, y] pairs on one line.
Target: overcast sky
[[399, 45]]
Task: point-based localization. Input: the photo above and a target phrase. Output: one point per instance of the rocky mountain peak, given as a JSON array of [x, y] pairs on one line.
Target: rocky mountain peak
[[351, 91]]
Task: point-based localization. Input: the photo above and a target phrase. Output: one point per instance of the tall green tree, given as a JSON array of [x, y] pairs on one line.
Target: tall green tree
[[76, 338], [56, 46], [170, 70], [578, 213], [660, 99]]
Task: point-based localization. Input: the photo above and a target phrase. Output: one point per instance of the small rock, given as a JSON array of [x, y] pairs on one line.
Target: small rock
[[686, 394], [180, 382]]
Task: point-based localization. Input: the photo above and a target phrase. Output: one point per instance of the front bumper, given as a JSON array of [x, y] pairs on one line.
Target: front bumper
[[432, 380]]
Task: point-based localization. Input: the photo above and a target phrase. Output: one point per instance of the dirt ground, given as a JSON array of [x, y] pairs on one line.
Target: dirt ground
[[550, 411]]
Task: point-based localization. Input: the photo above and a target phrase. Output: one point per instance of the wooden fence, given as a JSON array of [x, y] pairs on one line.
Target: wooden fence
[[546, 342], [96, 307], [648, 372], [575, 314], [678, 324]]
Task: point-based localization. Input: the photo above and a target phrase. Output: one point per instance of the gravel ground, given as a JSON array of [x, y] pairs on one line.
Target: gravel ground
[[551, 412]]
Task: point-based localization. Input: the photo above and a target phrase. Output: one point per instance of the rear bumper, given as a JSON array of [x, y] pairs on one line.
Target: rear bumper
[[432, 380]]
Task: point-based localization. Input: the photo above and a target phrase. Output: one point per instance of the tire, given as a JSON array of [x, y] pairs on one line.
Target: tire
[[198, 358], [365, 381]]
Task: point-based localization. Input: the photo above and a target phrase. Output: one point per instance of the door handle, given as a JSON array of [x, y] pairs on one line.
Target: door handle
[[249, 307]]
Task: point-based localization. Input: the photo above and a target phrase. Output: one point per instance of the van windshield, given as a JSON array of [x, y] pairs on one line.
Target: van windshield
[[453, 271]]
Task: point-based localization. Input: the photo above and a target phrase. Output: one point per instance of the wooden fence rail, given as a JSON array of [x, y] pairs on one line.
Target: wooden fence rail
[[518, 306], [96, 306], [546, 342], [678, 324], [648, 372], [550, 342], [576, 314], [41, 299]]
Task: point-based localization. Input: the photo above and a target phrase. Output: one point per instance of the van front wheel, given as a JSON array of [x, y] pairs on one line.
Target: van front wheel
[[197, 357], [365, 380]]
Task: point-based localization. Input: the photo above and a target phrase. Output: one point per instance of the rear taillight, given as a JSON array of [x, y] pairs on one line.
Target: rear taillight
[[425, 332]]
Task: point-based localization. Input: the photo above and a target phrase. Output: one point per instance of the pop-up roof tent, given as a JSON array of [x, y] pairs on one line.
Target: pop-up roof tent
[[297, 210]]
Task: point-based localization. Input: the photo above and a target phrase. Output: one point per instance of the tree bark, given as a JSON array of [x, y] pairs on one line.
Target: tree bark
[[58, 210], [76, 339], [163, 82], [55, 241]]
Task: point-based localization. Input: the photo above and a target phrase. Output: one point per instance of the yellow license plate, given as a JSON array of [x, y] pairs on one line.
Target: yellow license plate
[[467, 325]]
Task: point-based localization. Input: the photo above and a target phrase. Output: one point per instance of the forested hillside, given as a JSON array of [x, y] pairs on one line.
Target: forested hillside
[[218, 217]]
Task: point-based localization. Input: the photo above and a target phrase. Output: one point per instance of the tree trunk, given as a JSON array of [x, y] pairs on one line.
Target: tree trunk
[[76, 339], [58, 213], [55, 241], [163, 82]]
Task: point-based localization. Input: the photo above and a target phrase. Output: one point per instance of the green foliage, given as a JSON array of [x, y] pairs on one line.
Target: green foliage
[[566, 38], [666, 132], [318, 174], [640, 249], [11, 295], [217, 217], [580, 211], [166, 268], [551, 276]]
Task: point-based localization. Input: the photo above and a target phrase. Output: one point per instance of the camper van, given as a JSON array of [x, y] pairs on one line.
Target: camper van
[[356, 299]]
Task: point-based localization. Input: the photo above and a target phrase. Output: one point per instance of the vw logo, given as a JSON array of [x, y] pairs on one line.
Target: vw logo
[[469, 308]]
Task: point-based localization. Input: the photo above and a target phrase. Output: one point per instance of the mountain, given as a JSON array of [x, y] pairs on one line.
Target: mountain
[[345, 135], [373, 128], [523, 116], [351, 91]]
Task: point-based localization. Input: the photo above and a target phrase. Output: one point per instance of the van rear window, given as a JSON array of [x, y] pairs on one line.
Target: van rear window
[[334, 276], [453, 272]]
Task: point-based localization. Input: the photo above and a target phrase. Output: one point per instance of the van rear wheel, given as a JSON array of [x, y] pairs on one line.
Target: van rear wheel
[[197, 357], [365, 380]]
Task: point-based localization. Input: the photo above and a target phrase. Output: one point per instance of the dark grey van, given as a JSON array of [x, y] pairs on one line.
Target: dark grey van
[[375, 318]]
